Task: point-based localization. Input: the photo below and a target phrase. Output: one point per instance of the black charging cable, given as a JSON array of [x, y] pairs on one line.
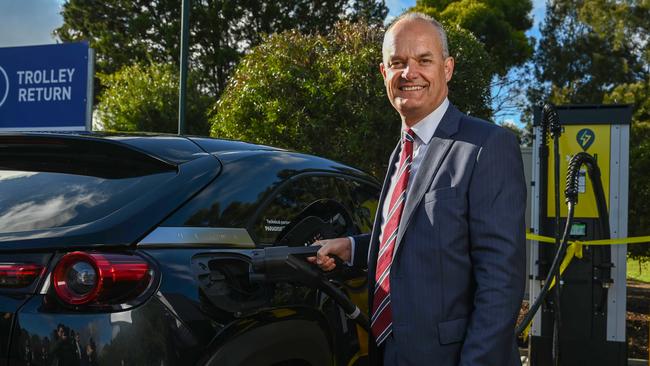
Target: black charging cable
[[550, 124], [573, 175], [571, 194], [553, 122], [280, 264]]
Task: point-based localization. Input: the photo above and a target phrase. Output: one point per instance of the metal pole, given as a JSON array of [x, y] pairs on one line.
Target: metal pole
[[185, 30]]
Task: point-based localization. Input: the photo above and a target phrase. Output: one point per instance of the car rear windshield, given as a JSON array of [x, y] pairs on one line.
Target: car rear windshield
[[33, 199]]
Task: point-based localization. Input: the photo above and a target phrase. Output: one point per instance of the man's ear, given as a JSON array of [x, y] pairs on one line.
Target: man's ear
[[449, 68], [382, 70]]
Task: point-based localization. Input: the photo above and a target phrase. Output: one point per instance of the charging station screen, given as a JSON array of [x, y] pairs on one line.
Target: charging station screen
[[578, 229]]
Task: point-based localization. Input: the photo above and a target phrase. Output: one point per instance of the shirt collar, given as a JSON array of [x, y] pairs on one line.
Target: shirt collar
[[425, 129]]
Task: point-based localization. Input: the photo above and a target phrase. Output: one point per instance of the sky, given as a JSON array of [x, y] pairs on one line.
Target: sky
[[31, 22], [28, 22]]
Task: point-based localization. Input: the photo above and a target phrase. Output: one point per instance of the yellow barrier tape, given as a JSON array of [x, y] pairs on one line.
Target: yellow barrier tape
[[630, 240], [545, 239], [524, 335], [574, 249]]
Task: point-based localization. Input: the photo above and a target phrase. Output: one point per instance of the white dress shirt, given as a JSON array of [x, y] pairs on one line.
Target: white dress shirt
[[424, 131]]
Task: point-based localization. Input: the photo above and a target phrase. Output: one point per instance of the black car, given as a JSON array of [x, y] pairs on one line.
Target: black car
[[138, 250]]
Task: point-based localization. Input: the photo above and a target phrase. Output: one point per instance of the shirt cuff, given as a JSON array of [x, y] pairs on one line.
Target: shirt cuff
[[352, 245]]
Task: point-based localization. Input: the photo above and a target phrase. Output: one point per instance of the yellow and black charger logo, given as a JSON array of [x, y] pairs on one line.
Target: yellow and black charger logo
[[585, 138]]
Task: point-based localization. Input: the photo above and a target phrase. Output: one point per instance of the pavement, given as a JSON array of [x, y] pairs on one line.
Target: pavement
[[630, 361]]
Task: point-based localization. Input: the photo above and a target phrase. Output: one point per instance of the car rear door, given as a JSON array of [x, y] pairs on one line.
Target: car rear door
[[66, 193]]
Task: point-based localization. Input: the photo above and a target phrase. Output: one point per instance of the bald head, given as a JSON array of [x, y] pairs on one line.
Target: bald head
[[420, 17]]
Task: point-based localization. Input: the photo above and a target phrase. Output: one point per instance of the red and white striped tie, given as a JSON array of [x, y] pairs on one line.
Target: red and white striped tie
[[382, 319]]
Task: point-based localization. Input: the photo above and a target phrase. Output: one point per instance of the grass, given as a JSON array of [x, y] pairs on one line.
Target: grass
[[639, 271]]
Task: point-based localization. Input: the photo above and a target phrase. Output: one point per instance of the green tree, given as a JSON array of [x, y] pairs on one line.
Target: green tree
[[575, 63], [323, 94], [624, 22], [469, 88], [145, 98], [638, 95], [596, 51], [135, 31], [499, 24]]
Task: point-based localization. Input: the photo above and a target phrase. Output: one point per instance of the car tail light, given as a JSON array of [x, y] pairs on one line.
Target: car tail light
[[83, 278], [17, 275]]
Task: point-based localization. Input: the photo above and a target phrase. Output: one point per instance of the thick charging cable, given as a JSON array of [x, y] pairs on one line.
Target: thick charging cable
[[571, 194], [573, 175], [289, 264], [553, 124], [550, 124]]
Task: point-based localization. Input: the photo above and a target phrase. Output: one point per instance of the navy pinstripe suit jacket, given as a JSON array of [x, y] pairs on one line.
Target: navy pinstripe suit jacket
[[457, 277]]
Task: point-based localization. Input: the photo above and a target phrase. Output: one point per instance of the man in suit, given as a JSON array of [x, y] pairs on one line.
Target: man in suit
[[446, 256]]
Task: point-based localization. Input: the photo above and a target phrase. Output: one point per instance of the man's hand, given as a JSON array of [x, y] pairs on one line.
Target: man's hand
[[340, 247]]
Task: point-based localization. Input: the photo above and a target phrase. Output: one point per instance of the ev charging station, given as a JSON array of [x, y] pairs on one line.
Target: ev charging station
[[592, 304]]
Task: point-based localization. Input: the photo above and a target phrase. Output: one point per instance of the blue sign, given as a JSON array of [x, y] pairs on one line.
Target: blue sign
[[585, 138], [46, 88]]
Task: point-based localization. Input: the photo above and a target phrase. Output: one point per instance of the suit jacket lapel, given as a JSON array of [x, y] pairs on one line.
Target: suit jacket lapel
[[437, 150]]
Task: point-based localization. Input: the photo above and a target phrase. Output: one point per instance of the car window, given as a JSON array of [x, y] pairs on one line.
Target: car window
[[304, 198], [233, 198], [36, 200], [364, 199]]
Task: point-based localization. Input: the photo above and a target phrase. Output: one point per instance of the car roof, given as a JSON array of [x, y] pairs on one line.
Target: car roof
[[178, 149], [169, 147]]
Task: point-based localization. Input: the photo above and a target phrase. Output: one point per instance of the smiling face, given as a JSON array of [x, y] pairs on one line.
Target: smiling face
[[415, 70]]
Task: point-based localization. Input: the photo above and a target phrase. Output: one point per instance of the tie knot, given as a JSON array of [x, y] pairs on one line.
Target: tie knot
[[409, 135]]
